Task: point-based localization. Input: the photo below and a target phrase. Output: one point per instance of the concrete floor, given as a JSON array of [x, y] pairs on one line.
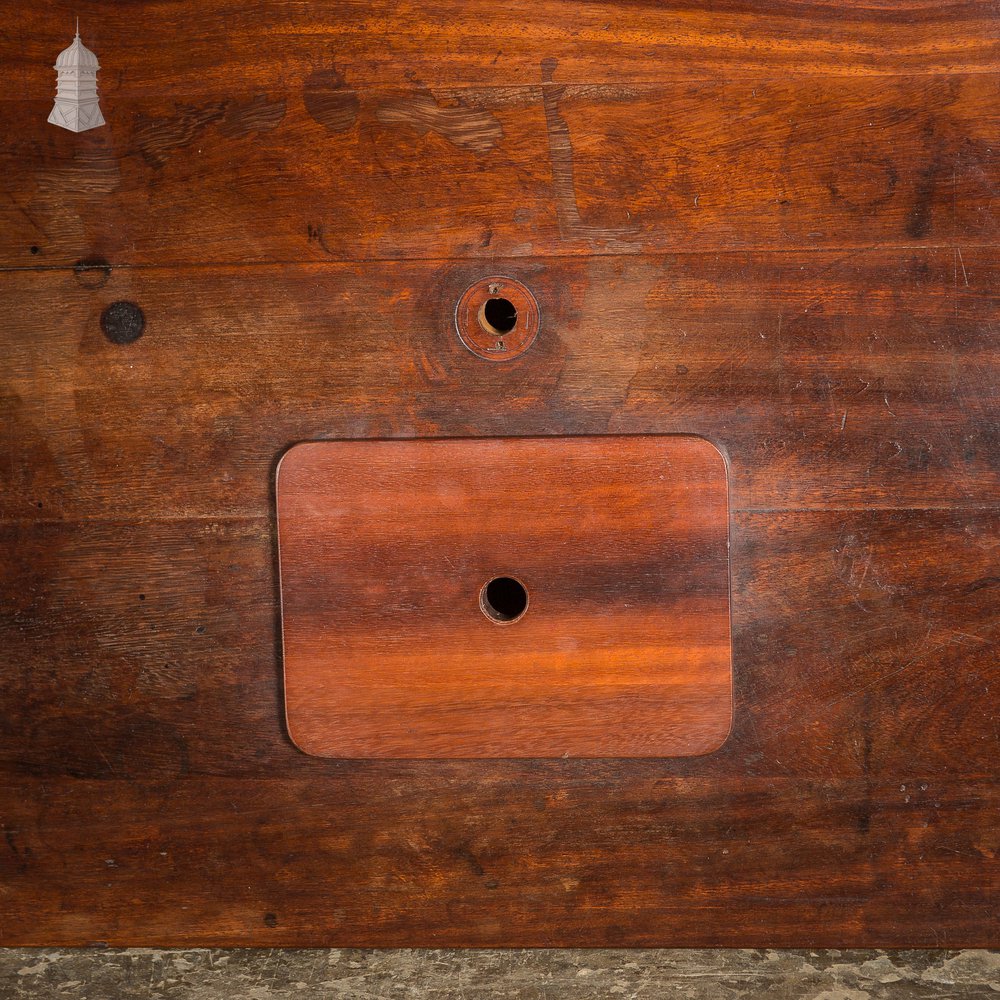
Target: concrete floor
[[470, 975]]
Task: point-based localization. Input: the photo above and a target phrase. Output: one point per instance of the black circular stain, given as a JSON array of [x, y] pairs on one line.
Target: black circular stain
[[123, 322], [270, 919]]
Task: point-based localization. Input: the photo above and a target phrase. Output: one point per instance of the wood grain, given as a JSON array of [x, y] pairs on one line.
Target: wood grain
[[530, 172], [620, 546], [829, 379], [613, 853], [863, 645], [769, 224], [184, 49]]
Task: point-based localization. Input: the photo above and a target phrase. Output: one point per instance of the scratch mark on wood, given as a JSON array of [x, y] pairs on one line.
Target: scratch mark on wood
[[965, 273]]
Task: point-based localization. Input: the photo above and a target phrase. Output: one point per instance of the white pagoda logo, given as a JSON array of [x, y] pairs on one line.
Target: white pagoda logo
[[76, 106]]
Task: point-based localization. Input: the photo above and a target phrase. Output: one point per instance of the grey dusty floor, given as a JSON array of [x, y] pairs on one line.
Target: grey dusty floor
[[469, 975]]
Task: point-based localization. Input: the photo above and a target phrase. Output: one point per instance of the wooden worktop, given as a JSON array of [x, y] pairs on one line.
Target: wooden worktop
[[773, 225]]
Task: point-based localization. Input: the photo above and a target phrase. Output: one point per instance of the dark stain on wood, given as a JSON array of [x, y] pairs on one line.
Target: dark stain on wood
[[561, 158], [261, 114], [468, 128], [329, 101], [123, 322], [929, 176], [157, 138], [93, 272]]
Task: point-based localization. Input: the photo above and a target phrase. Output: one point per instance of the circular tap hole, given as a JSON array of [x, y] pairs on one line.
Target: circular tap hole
[[498, 316], [504, 599]]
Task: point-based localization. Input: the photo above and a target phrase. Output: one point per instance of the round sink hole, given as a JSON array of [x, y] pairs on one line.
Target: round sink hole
[[504, 599], [498, 316]]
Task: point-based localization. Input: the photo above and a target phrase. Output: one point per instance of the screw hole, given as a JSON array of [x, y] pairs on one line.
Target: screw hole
[[36, 250], [498, 316], [504, 599]]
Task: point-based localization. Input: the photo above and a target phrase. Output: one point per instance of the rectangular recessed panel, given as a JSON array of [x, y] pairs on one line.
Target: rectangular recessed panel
[[522, 597]]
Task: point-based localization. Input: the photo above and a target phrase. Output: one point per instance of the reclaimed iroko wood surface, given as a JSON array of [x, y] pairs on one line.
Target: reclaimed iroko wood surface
[[772, 224], [620, 546]]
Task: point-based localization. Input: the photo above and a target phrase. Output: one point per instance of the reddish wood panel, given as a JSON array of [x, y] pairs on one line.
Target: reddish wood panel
[[182, 49], [863, 645], [770, 224], [529, 172], [614, 643], [502, 853], [829, 379]]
